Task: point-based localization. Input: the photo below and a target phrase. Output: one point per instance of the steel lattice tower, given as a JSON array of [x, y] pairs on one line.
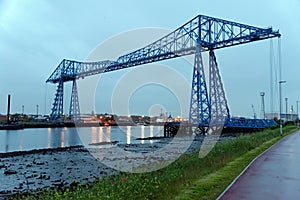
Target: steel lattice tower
[[74, 103], [199, 107], [219, 107], [58, 105]]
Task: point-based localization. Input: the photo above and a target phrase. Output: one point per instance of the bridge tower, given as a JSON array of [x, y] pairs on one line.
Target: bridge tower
[[74, 111], [58, 105], [199, 106], [218, 101]]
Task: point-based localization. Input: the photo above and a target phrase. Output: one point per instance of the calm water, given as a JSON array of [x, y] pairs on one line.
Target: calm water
[[41, 138]]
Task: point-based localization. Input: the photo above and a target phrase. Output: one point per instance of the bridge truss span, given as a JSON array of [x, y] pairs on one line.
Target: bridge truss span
[[202, 33]]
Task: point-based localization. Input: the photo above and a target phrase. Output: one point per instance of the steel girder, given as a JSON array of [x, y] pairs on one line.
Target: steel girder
[[199, 105], [219, 107], [58, 105], [249, 123], [209, 32], [74, 111], [69, 70]]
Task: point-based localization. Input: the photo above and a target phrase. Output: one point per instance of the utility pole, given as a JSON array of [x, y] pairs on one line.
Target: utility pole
[[286, 108], [297, 109], [280, 107], [22, 110], [297, 114], [292, 112], [263, 113], [37, 110]]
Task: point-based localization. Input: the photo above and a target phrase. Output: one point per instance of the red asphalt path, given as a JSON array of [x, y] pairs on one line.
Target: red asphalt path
[[275, 174]]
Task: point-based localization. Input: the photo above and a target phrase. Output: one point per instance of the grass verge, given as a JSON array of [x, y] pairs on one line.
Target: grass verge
[[212, 185], [187, 178]]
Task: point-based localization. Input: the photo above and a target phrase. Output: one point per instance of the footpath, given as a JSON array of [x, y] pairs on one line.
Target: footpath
[[275, 174]]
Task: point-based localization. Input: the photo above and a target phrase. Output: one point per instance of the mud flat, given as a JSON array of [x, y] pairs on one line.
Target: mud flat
[[53, 168], [28, 171]]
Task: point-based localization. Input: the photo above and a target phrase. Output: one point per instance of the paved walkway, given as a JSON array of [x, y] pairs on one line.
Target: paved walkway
[[273, 175]]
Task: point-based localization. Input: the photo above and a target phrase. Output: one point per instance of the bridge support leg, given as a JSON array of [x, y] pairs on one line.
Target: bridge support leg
[[58, 105], [199, 105], [74, 111], [218, 101]]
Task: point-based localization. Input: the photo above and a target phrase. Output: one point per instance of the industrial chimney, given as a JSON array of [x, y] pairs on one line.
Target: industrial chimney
[[8, 109]]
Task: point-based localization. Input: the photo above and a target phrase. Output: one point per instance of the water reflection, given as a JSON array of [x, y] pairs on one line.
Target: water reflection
[[98, 135], [41, 138], [108, 132], [28, 139], [62, 138], [94, 135], [143, 134], [58, 137], [7, 141], [49, 138], [21, 143], [151, 134], [101, 134], [128, 135]]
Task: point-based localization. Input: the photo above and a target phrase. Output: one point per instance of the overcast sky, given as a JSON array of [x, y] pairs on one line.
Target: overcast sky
[[36, 35]]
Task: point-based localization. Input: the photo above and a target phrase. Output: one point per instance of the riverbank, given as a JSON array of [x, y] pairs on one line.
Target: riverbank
[[31, 171], [58, 168], [187, 178]]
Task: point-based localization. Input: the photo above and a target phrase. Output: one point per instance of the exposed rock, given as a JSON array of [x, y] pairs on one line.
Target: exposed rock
[[10, 172], [39, 163], [42, 177]]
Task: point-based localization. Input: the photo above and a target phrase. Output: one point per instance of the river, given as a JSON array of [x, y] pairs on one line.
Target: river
[[43, 138]]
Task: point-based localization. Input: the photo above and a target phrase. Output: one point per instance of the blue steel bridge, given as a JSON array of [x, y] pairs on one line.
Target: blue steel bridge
[[202, 33]]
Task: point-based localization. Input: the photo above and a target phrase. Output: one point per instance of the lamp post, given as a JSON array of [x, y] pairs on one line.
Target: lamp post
[[297, 109], [262, 94], [286, 108], [280, 123], [37, 110], [297, 114]]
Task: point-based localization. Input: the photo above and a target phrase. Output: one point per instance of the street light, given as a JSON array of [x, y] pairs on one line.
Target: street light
[[280, 123], [286, 108], [297, 109], [37, 110]]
